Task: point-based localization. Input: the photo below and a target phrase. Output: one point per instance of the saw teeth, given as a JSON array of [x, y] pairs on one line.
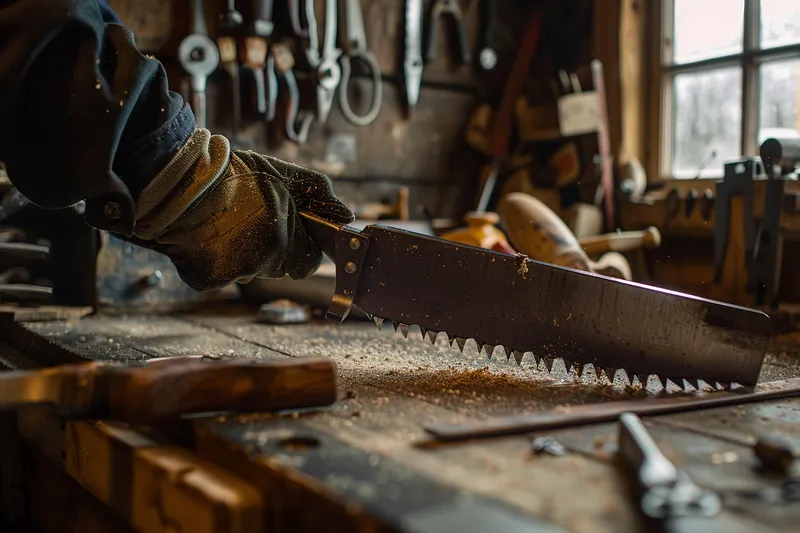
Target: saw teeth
[[720, 386], [461, 342], [432, 336], [395, 324], [518, 356], [508, 352], [610, 373], [643, 379], [598, 372], [693, 383], [378, 322], [578, 367], [450, 340], [678, 382], [404, 330], [480, 346], [548, 363], [489, 349], [423, 331]]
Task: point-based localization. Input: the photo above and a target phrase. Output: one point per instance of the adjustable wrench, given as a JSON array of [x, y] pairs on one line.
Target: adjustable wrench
[[329, 73], [667, 493], [199, 57], [412, 64]]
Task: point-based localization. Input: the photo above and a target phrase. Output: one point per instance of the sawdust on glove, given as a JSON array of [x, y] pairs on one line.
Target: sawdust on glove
[[227, 216]]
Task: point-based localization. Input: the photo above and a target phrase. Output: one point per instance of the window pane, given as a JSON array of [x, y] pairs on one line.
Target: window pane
[[780, 22], [779, 101], [707, 120], [707, 28]]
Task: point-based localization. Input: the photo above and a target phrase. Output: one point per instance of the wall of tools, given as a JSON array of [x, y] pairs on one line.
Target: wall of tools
[[379, 97]]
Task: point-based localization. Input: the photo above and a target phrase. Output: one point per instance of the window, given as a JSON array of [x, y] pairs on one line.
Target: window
[[730, 78]]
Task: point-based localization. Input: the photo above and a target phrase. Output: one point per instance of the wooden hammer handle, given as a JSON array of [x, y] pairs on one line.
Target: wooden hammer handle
[[624, 241], [174, 387]]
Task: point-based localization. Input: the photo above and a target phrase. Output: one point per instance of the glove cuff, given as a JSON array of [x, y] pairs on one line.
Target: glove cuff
[[194, 169]]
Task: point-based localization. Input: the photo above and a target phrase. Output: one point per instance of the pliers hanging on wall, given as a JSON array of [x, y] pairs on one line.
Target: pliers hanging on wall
[[440, 9]]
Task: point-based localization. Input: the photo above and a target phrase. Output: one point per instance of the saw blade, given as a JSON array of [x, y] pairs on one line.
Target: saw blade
[[554, 312]]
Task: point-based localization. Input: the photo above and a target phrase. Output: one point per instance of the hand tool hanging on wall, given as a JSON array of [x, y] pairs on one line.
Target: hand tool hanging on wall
[[256, 48], [603, 143], [168, 388], [356, 50], [199, 57], [487, 55], [524, 305], [230, 21], [412, 54], [452, 8], [500, 146], [283, 65], [329, 73], [596, 413], [295, 19], [666, 493]]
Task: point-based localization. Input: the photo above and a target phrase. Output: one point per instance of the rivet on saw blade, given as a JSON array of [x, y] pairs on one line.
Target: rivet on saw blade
[[518, 356], [432, 336], [404, 330], [423, 331], [461, 342], [378, 322]]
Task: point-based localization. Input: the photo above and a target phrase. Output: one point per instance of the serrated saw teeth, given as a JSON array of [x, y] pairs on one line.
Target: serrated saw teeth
[[569, 364]]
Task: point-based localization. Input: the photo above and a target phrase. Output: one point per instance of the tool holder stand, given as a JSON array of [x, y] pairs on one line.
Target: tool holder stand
[[759, 243]]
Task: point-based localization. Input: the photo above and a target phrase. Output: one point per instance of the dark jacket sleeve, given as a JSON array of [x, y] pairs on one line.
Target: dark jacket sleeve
[[83, 114]]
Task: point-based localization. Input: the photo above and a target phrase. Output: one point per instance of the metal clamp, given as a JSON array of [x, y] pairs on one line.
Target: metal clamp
[[351, 250]]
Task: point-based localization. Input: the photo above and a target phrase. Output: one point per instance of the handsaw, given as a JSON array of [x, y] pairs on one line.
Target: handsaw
[[553, 312], [172, 387]]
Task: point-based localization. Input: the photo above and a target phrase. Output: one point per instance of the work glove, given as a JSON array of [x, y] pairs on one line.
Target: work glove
[[226, 216]]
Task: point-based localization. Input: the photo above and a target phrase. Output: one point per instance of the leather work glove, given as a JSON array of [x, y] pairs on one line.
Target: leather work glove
[[227, 216]]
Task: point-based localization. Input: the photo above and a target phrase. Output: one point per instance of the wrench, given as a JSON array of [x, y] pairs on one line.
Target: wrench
[[297, 24], [357, 50], [312, 52], [199, 57], [329, 73], [668, 493]]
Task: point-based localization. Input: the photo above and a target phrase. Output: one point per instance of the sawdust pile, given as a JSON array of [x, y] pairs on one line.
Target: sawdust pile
[[471, 381]]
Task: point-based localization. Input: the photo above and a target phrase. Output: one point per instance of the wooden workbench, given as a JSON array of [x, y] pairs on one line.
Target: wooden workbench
[[365, 464]]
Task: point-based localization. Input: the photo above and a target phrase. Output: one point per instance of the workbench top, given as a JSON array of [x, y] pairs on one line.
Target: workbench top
[[367, 464]]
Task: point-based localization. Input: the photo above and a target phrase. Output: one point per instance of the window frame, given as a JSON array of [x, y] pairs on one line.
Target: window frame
[[663, 72]]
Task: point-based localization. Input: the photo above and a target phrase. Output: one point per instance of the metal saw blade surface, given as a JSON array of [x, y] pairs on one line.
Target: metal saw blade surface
[[555, 312]]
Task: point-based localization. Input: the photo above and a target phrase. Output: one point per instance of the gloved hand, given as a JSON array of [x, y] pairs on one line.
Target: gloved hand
[[224, 216]]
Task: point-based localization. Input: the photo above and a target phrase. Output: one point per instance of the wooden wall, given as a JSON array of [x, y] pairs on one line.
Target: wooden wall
[[425, 151]]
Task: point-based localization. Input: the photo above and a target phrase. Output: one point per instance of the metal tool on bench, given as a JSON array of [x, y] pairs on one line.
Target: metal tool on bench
[[171, 387], [412, 54], [523, 305], [440, 9], [199, 57], [596, 413], [667, 492], [356, 50], [281, 64]]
